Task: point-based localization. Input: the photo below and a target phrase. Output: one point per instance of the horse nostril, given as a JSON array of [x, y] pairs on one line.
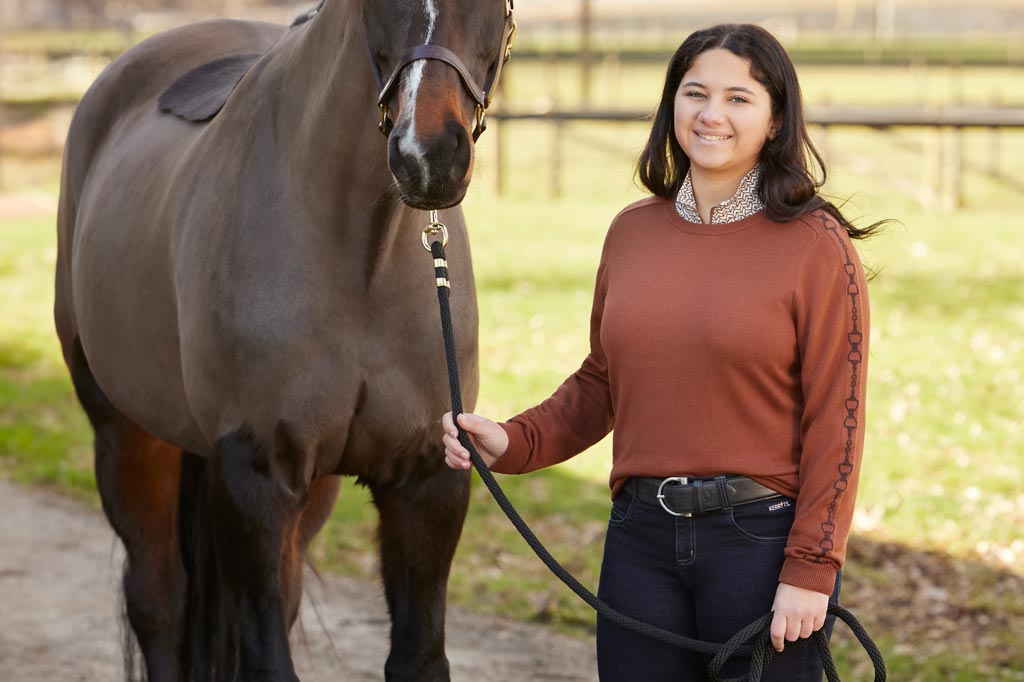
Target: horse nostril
[[404, 166], [462, 151]]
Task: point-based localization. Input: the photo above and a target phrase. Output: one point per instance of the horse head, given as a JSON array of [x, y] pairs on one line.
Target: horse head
[[442, 60]]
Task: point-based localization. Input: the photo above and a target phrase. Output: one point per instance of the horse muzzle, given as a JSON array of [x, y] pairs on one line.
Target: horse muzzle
[[431, 171]]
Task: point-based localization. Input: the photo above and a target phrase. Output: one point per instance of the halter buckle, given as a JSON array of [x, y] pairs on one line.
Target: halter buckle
[[481, 121], [510, 41], [385, 124]]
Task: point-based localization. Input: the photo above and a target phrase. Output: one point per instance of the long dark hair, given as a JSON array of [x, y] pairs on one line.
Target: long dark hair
[[788, 188]]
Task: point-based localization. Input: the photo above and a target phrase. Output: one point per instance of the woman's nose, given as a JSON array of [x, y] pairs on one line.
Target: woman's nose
[[710, 113]]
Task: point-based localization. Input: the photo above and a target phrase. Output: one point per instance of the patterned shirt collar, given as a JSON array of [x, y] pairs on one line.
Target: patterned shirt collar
[[745, 203]]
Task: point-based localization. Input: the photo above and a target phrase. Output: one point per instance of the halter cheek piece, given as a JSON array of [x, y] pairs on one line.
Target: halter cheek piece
[[482, 96]]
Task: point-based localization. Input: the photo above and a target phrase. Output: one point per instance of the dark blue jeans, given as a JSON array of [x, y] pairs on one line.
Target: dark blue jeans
[[706, 577]]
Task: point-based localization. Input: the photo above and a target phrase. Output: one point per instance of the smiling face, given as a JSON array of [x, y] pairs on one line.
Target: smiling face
[[723, 116]]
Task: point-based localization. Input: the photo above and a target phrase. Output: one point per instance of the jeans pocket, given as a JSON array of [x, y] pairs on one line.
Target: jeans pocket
[[622, 506], [767, 520]]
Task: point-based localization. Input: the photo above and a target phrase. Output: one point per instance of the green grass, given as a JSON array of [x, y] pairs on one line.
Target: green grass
[[940, 505], [44, 436]]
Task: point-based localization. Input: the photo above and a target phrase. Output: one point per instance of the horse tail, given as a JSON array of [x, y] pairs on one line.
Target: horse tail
[[134, 669], [204, 656]]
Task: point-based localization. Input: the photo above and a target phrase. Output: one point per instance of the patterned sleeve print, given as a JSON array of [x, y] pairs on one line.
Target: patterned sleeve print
[[832, 333]]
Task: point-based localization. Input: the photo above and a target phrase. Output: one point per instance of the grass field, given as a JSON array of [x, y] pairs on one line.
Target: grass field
[[937, 560]]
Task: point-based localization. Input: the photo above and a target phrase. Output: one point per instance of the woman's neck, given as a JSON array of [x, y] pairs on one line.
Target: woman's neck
[[709, 190]]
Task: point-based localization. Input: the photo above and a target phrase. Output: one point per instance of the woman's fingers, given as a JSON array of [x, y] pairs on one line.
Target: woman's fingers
[[486, 436], [799, 612], [455, 455], [778, 631]]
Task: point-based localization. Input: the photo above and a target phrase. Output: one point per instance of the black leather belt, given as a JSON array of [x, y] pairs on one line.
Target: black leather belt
[[682, 496]]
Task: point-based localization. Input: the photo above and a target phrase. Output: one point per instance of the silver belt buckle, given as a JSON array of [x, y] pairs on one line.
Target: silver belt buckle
[[682, 480]]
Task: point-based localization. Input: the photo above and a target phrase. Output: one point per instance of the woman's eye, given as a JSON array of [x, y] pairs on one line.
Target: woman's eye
[[737, 98], [695, 94]]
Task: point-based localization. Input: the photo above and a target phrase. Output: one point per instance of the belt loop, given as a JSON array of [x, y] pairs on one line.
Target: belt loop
[[723, 493], [698, 499]]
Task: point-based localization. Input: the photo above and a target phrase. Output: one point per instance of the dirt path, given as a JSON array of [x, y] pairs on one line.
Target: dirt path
[[59, 568]]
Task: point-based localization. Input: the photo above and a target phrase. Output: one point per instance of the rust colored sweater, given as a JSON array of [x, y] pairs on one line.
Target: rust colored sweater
[[737, 348]]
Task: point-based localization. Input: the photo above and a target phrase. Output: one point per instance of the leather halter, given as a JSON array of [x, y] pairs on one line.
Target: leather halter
[[481, 95]]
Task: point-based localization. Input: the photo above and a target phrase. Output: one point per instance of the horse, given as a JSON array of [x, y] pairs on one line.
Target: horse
[[245, 312]]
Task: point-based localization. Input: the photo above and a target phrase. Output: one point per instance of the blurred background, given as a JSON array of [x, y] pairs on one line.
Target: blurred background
[[918, 108]]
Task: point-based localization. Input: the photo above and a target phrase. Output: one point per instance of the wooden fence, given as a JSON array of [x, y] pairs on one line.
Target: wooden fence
[[947, 160]]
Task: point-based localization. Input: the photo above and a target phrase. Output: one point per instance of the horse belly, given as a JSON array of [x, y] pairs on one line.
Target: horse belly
[[121, 159], [124, 293], [122, 275]]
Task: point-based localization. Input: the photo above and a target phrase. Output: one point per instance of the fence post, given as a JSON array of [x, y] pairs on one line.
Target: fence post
[[555, 181], [954, 199], [499, 145], [933, 164], [824, 141], [586, 57], [994, 165], [499, 157]]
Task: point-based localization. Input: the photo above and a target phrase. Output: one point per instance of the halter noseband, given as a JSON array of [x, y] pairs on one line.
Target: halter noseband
[[482, 96]]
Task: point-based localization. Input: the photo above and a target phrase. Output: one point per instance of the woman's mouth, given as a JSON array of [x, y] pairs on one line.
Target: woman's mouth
[[710, 137]]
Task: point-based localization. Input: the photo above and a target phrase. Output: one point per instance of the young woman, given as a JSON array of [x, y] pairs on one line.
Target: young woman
[[728, 349]]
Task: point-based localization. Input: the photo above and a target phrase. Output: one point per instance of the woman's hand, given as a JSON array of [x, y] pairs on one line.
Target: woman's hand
[[490, 440], [798, 614]]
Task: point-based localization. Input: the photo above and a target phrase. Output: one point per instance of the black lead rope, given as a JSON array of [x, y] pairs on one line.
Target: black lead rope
[[760, 651]]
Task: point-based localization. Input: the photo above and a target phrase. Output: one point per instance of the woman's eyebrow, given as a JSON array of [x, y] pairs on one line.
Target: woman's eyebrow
[[735, 88]]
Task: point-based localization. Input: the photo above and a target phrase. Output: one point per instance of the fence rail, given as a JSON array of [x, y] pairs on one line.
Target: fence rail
[[947, 162], [830, 115], [946, 156]]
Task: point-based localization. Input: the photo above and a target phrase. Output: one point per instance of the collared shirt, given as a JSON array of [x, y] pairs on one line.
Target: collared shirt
[[745, 203]]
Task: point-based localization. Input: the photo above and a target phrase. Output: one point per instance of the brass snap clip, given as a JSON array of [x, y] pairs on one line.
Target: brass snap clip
[[434, 228]]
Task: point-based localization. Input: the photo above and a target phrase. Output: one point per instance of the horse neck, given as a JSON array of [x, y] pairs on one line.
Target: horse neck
[[329, 96], [322, 105]]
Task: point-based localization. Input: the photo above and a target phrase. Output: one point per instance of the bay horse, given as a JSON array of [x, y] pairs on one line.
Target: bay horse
[[247, 314]]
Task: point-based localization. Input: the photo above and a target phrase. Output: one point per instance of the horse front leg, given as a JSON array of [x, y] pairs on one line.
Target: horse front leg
[[420, 524], [252, 516]]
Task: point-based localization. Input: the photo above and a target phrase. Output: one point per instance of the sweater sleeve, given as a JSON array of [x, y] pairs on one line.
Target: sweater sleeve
[[576, 416], [831, 309]]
